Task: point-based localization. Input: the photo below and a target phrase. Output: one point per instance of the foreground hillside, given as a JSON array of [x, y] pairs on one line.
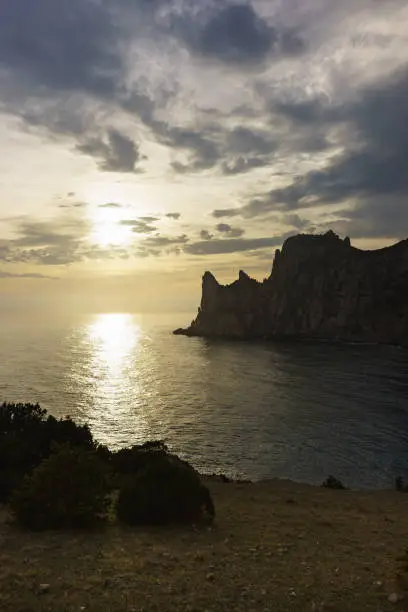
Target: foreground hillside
[[275, 546]]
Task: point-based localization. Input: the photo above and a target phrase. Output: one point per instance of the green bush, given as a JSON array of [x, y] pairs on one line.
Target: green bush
[[166, 490], [333, 483], [69, 489], [27, 435], [20, 417], [400, 485], [130, 460]]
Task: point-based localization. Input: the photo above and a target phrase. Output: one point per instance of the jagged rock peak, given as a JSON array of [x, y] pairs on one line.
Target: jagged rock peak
[[209, 279], [243, 276], [320, 287]]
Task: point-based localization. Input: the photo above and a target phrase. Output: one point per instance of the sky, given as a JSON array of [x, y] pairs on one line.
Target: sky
[[143, 142]]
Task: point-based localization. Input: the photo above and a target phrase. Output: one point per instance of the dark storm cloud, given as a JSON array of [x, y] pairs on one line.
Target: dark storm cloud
[[70, 62], [175, 215], [303, 225], [202, 146], [235, 33], [243, 164], [233, 245], [116, 153], [228, 230], [234, 151], [204, 151], [61, 45], [78, 119], [65, 59], [377, 218], [371, 170], [246, 149], [245, 141]]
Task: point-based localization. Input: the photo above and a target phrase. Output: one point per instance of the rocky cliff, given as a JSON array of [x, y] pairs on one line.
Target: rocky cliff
[[320, 287]]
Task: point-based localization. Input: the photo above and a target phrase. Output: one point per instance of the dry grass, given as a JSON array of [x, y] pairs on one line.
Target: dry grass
[[275, 546]]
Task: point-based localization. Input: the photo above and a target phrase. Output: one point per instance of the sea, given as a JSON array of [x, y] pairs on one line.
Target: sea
[[262, 410]]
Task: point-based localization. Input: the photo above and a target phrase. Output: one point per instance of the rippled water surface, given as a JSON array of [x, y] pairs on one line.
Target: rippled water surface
[[297, 411]]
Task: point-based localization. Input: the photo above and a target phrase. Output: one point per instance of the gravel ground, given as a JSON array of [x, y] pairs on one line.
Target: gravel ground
[[276, 546]]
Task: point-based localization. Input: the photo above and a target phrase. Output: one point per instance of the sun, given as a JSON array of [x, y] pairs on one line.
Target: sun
[[106, 227], [105, 212]]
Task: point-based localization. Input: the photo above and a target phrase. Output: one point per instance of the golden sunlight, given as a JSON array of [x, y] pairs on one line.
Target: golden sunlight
[[106, 227], [115, 343], [105, 192], [114, 337]]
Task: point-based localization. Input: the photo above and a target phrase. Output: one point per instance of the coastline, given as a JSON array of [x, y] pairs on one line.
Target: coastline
[[188, 332]]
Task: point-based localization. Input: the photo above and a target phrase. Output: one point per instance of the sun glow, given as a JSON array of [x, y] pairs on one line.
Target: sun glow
[[114, 342], [104, 192], [114, 337], [106, 227]]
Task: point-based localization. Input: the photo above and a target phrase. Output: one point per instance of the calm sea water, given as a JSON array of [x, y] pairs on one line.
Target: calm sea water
[[299, 411]]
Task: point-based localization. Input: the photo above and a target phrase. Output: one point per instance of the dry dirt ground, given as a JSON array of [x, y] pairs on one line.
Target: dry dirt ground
[[275, 546]]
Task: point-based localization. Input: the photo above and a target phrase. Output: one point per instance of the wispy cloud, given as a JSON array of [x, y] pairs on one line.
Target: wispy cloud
[[110, 205], [234, 245], [33, 275], [228, 230], [140, 226]]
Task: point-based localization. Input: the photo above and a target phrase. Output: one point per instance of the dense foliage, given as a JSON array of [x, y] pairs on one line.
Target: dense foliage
[[400, 485], [165, 490], [55, 475], [69, 489], [27, 436], [333, 483]]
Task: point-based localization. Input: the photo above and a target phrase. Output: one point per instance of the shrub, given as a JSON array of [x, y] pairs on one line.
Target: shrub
[[19, 417], [130, 460], [400, 486], [166, 490], [69, 489], [26, 438], [11, 466], [333, 483]]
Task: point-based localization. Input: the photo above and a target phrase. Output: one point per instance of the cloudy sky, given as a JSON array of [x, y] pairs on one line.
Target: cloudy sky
[[145, 141]]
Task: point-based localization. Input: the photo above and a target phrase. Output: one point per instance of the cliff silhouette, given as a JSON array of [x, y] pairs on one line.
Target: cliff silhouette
[[320, 287]]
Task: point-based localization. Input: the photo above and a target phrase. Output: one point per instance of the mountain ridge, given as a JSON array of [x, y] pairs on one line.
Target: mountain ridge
[[320, 287]]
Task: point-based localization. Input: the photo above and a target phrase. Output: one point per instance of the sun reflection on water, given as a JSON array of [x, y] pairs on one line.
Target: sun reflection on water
[[114, 343], [114, 338]]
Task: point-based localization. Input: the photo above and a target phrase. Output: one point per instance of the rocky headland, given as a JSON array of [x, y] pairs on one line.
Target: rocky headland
[[320, 287]]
